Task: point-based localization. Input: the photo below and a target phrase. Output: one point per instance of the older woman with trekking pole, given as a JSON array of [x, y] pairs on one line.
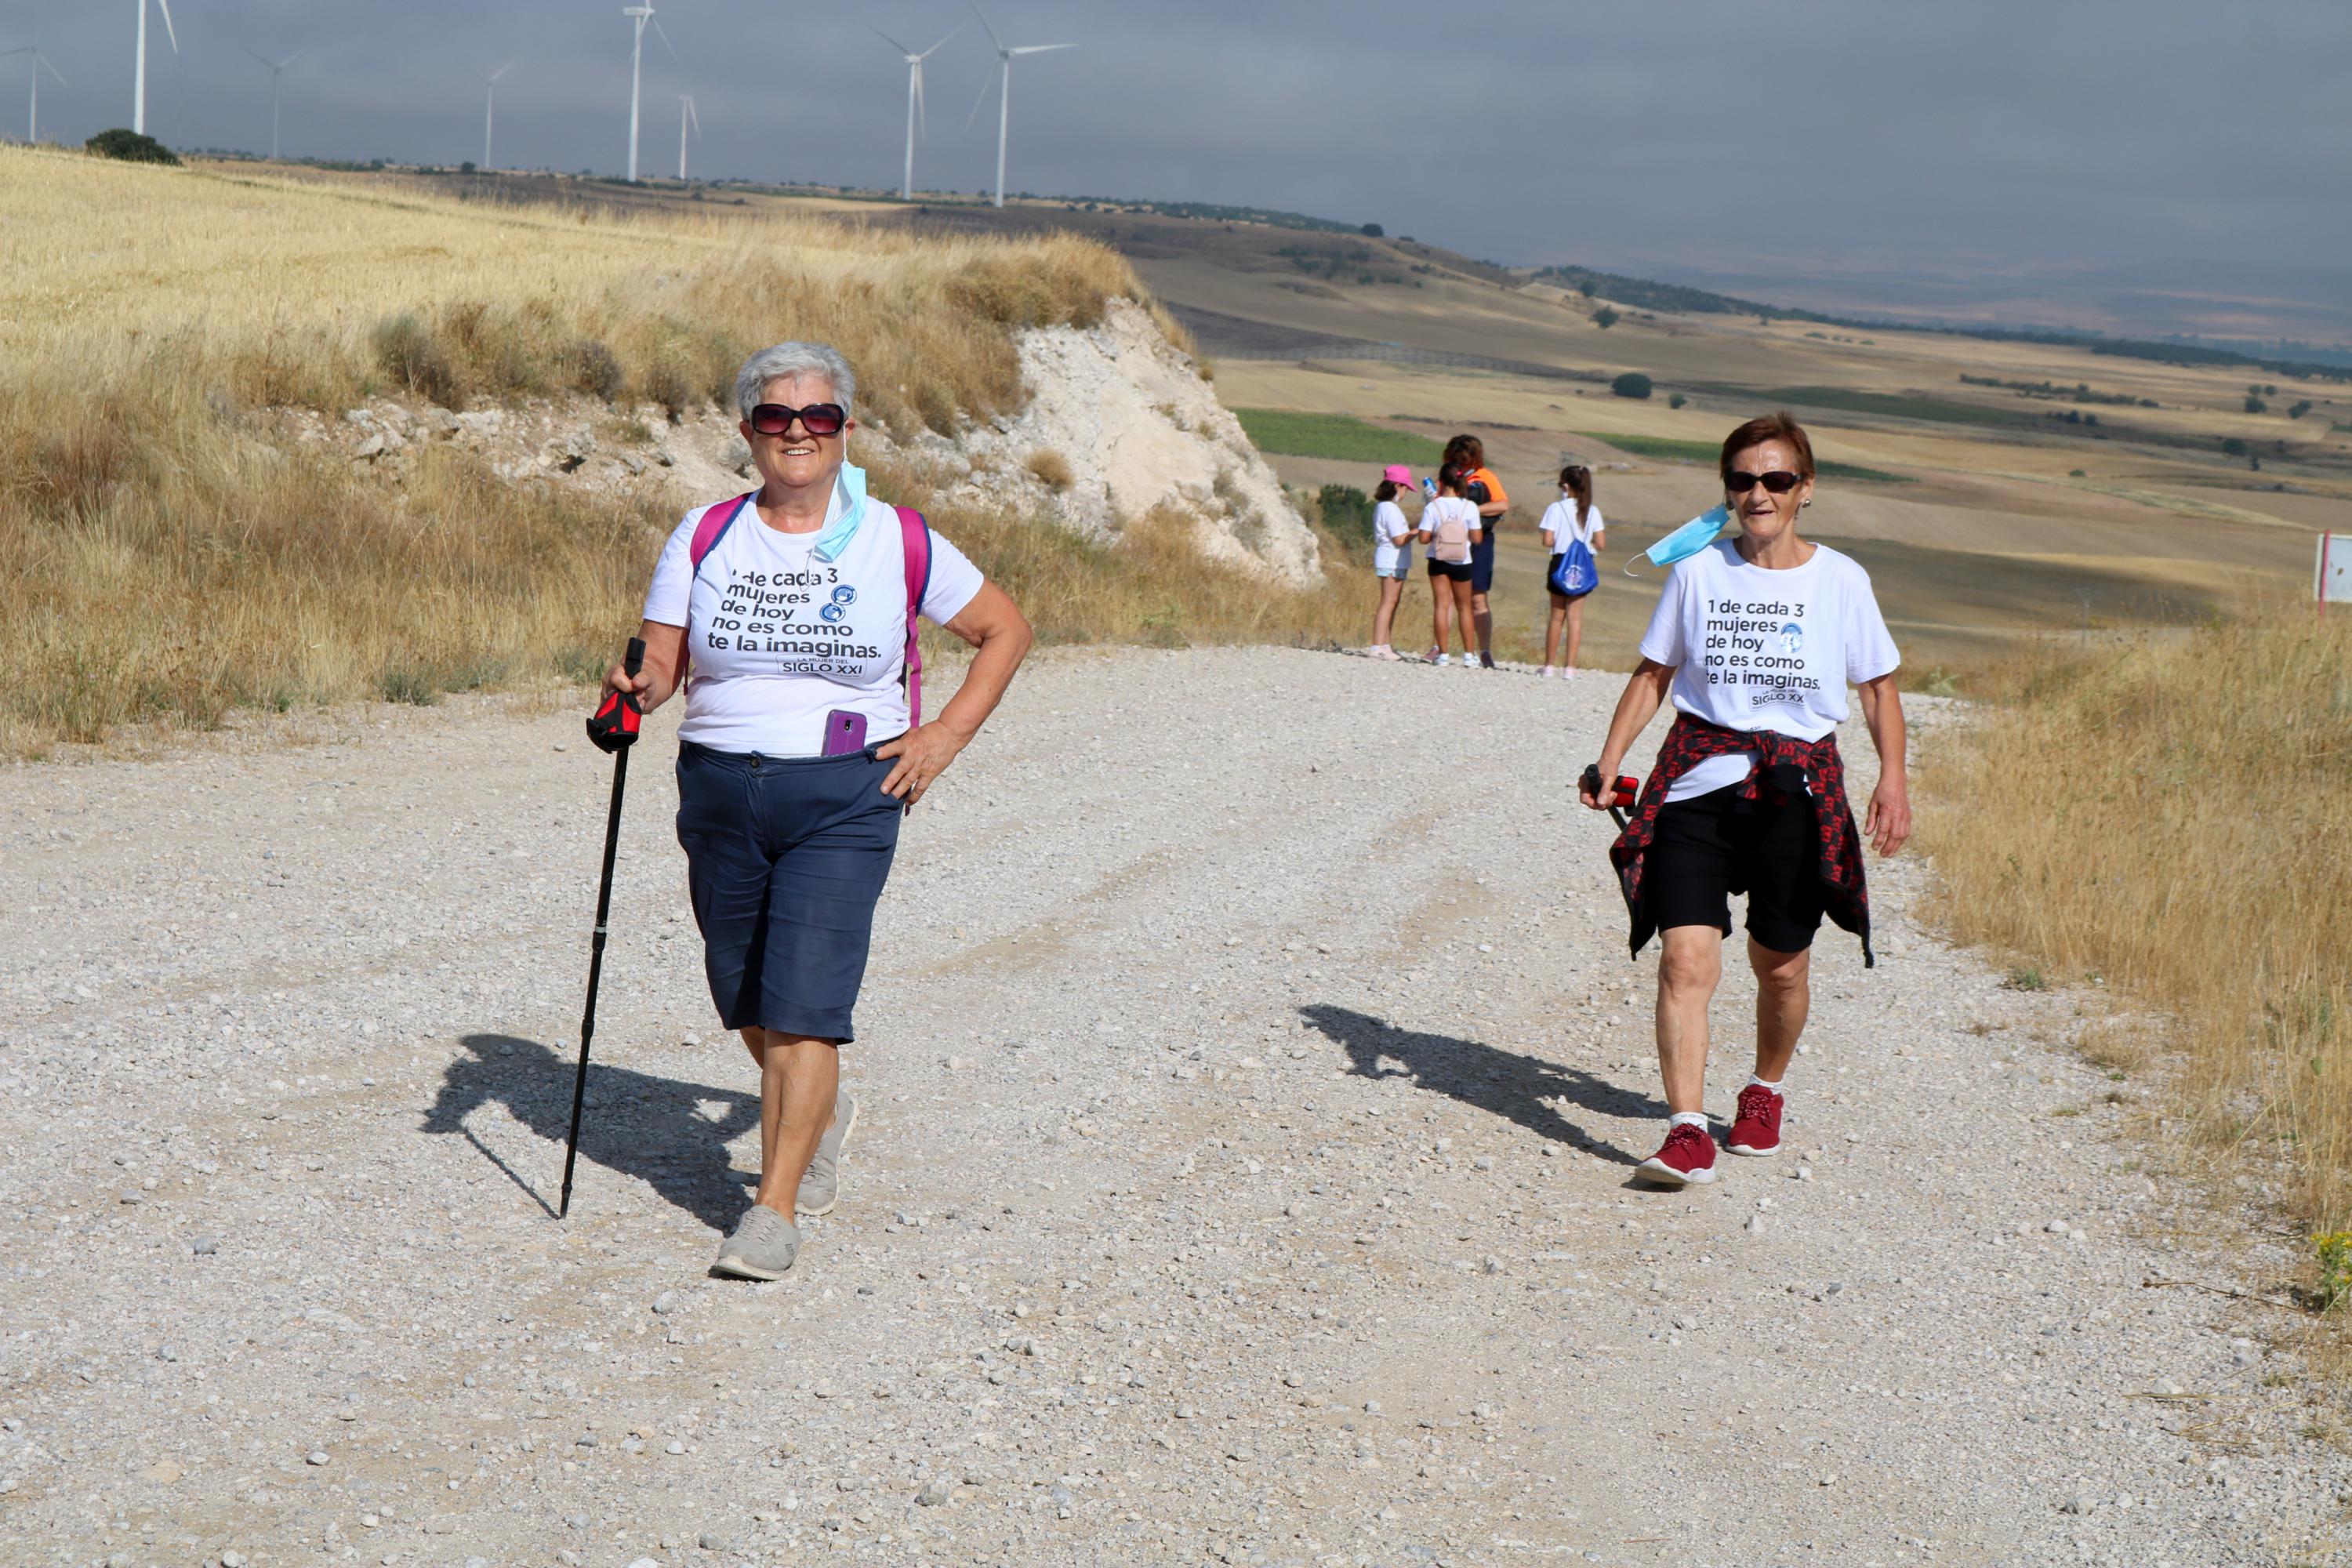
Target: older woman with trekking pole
[[789, 616], [1755, 637]]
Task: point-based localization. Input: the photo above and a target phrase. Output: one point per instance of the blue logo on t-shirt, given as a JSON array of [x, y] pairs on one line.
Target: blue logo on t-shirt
[[845, 594], [1793, 640], [832, 612]]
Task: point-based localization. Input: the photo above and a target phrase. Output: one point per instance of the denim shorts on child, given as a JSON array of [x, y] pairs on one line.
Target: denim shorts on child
[[785, 858]]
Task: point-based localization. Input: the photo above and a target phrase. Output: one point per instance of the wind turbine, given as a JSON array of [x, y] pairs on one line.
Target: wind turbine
[[685, 117], [1004, 96], [40, 63], [276, 69], [914, 95], [490, 106], [139, 72], [643, 14]]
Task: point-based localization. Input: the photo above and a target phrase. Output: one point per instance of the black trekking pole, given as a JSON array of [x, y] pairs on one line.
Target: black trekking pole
[[614, 729], [1627, 785]]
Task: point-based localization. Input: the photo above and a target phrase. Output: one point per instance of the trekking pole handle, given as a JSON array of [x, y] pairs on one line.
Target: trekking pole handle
[[1627, 786], [634, 659]]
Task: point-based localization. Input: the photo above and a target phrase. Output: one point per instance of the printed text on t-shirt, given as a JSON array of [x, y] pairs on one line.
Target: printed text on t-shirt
[[802, 617], [1759, 647]]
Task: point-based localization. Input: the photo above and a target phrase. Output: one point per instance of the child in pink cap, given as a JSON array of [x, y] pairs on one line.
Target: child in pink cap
[[1391, 552]]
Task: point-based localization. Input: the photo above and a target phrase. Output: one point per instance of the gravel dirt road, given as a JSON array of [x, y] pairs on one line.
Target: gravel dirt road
[[1252, 1070]]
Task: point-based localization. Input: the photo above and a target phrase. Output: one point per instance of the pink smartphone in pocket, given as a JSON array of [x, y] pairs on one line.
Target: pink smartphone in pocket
[[845, 732]]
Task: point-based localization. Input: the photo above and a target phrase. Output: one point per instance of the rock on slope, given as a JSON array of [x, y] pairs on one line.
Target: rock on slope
[[1119, 425]]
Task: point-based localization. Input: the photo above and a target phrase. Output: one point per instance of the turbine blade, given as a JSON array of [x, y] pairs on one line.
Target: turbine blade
[[165, 6], [986, 28], [265, 60], [42, 60], [289, 59], [935, 49], [663, 37], [1039, 49], [889, 40], [970, 119], [500, 72]]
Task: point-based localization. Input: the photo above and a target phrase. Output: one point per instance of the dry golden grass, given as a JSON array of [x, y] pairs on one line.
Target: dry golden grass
[[176, 564], [2175, 815]]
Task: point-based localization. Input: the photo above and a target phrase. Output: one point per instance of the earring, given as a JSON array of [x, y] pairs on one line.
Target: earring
[[1807, 502]]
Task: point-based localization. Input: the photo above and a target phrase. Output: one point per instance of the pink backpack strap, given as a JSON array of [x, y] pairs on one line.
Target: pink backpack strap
[[916, 535], [712, 526]]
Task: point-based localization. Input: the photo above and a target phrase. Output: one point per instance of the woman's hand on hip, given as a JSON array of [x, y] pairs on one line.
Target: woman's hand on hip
[[923, 754], [1888, 822]]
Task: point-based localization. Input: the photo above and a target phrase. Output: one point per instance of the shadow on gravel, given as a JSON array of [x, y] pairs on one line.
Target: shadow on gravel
[[640, 1125], [1505, 1083]]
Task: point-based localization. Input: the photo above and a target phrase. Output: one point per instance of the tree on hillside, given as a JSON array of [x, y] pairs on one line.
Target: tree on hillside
[[1373, 231], [1633, 383], [1604, 318], [2297, 410], [131, 147]]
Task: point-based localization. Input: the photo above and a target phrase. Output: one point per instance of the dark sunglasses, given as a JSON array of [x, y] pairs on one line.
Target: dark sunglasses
[[817, 418], [1780, 481]]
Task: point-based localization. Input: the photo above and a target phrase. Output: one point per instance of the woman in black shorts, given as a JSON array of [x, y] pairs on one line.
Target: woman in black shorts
[[1756, 637], [1449, 526]]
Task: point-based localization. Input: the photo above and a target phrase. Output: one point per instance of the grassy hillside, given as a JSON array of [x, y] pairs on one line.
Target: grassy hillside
[[172, 561]]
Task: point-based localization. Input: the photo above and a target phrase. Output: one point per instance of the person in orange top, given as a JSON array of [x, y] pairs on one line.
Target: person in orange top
[[1484, 492]]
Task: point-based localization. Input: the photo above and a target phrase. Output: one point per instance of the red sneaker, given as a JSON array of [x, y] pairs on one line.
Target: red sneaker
[[1756, 1129], [1688, 1156]]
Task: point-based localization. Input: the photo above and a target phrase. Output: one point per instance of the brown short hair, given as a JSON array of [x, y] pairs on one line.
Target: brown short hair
[[1777, 426], [1466, 451]]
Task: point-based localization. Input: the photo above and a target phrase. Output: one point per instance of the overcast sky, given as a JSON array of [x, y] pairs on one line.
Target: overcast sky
[[1735, 135]]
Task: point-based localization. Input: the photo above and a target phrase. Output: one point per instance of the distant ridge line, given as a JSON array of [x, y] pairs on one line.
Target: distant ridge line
[[1225, 336]]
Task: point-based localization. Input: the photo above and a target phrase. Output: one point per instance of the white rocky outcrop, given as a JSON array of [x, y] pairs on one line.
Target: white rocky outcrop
[[1118, 425]]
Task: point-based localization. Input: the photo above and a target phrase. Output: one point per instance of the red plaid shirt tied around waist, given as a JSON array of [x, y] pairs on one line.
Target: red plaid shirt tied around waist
[[1784, 766]]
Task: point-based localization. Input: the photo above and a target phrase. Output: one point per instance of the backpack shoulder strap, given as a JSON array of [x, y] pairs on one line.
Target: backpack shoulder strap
[[916, 536], [716, 520]]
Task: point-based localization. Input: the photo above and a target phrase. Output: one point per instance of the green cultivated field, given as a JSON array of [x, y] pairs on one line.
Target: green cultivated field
[[1340, 437]]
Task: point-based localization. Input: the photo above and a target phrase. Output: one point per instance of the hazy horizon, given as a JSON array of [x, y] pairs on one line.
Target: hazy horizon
[[2127, 167]]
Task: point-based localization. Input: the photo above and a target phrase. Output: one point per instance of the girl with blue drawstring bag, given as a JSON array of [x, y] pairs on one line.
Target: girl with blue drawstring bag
[[1572, 530]]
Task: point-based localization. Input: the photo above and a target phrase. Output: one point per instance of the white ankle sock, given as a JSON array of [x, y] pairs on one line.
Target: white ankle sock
[[1686, 1119], [1761, 1084]]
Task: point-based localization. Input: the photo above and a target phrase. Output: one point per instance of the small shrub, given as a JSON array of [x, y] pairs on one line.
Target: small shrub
[[409, 683], [1052, 469], [666, 382], [2297, 410], [591, 367], [1676, 400], [2075, 474], [2335, 1249], [131, 147], [1940, 682], [1633, 383], [408, 351], [1604, 318], [2026, 977], [2255, 404], [1347, 512]]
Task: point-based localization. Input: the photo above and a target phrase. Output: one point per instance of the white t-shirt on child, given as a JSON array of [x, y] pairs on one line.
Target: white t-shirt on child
[[1389, 530], [779, 637], [1560, 522], [1758, 649]]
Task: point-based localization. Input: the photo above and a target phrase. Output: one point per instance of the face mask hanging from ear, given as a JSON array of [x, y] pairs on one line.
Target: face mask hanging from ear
[[1688, 540]]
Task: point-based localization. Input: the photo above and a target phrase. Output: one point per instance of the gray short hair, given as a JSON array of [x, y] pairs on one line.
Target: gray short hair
[[795, 359]]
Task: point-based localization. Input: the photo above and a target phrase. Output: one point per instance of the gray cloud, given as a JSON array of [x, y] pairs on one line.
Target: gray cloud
[[1707, 134]]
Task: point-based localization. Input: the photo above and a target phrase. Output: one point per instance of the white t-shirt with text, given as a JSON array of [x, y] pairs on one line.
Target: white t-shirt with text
[[778, 638], [1389, 530], [1560, 522], [1758, 649]]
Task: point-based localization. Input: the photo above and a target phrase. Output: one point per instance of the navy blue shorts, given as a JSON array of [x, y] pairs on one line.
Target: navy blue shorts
[[785, 857], [1482, 560]]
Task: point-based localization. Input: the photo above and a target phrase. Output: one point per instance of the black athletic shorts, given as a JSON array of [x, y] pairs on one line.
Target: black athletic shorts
[[1714, 845], [1482, 560], [1453, 570]]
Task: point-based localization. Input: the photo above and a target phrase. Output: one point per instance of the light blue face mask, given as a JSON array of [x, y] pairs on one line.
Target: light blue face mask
[[1689, 539], [850, 486]]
